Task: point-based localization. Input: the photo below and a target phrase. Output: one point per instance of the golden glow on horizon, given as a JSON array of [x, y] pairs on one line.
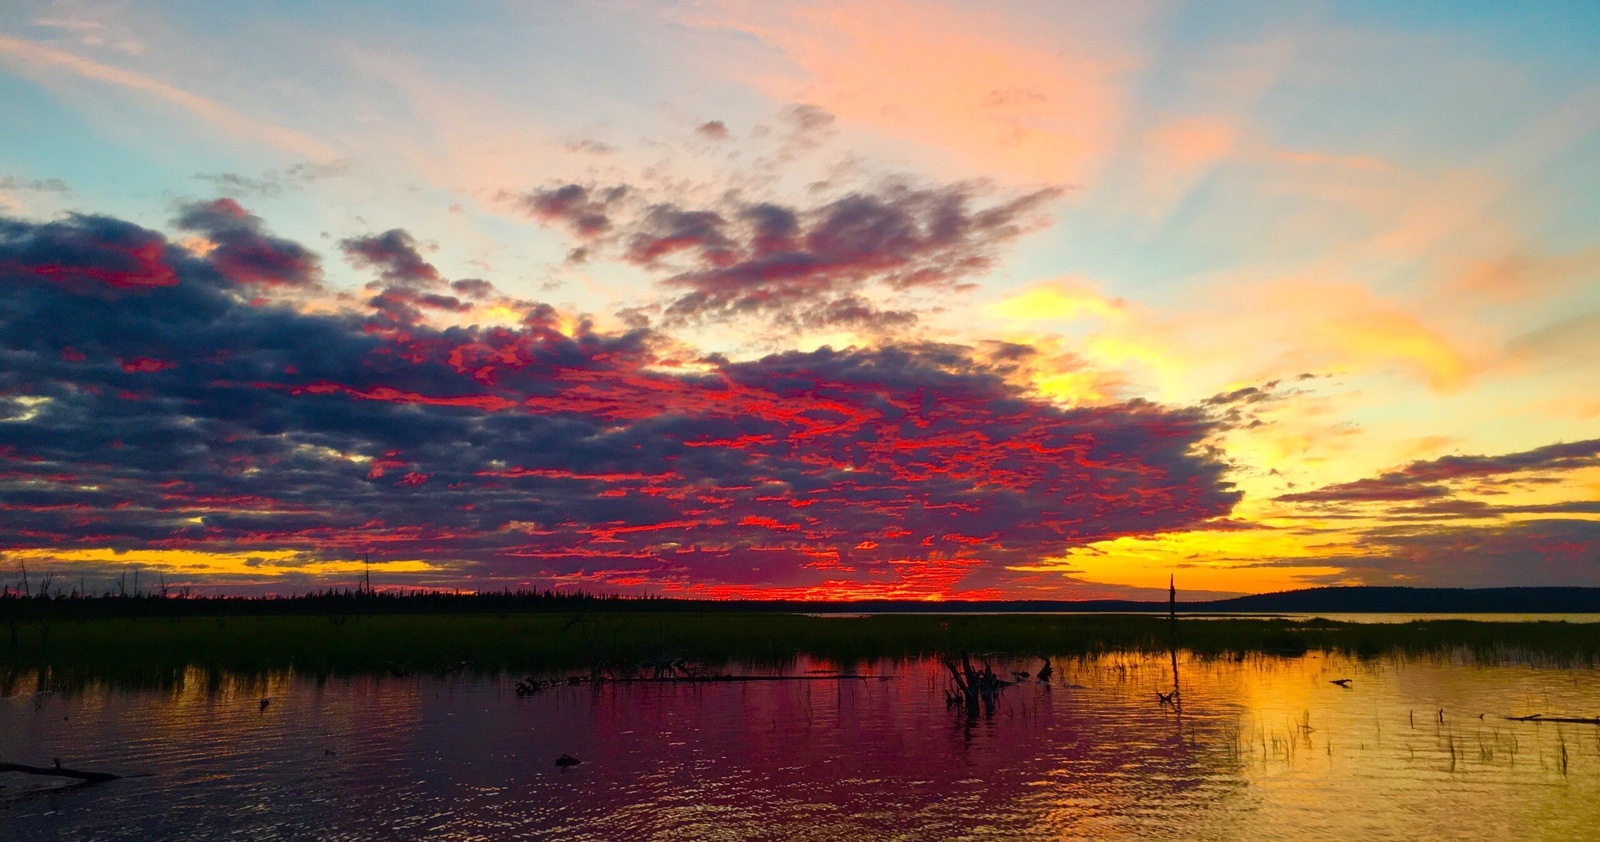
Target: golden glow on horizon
[[1071, 387], [267, 563], [1242, 560]]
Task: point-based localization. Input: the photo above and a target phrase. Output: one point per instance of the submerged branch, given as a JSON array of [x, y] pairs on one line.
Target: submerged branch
[[60, 772], [1539, 717]]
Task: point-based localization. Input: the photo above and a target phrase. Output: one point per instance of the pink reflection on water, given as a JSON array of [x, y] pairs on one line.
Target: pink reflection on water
[[1266, 747]]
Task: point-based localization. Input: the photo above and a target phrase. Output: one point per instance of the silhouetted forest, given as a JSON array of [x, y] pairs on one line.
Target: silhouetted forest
[[168, 602]]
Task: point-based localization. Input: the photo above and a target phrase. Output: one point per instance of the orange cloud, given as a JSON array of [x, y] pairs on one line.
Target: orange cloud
[[987, 95], [1178, 154]]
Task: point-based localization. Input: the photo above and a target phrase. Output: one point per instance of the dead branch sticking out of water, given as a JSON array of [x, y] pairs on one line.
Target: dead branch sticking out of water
[[60, 771], [1539, 717], [973, 685]]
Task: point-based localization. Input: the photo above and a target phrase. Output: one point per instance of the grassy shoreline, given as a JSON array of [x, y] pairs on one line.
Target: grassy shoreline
[[160, 650]]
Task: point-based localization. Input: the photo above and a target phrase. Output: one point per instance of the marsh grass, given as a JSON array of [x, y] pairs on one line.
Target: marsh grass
[[155, 651]]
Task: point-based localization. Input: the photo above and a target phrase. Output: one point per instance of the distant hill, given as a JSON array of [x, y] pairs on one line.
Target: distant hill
[[1361, 600], [1421, 601]]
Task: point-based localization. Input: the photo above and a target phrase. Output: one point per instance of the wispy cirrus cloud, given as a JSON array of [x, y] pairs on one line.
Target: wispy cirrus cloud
[[35, 59]]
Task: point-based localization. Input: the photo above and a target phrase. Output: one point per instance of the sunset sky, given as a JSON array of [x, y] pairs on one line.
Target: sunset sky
[[915, 300]]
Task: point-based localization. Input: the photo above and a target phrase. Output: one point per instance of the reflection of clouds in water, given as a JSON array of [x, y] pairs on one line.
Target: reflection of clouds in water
[[1264, 747]]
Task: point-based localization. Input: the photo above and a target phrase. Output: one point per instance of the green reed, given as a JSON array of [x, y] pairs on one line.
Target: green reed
[[157, 650]]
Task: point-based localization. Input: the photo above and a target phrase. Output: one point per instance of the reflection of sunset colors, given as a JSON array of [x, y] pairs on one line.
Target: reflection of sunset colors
[[812, 301], [1264, 748]]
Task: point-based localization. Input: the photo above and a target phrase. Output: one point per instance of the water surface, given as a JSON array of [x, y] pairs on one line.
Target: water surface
[[1265, 748]]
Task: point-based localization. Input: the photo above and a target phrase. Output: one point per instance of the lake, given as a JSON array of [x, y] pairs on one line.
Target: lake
[[1263, 748]]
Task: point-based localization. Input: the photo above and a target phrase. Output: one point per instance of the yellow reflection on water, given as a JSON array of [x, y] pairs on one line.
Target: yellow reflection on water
[[1257, 748]]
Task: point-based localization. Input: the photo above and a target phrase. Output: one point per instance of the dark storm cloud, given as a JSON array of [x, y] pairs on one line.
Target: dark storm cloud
[[151, 403]]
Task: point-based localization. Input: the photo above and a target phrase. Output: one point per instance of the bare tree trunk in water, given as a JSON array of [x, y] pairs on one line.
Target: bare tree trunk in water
[[1172, 638]]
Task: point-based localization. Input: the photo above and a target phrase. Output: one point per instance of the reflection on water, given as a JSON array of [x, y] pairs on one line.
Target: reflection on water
[[1262, 748]]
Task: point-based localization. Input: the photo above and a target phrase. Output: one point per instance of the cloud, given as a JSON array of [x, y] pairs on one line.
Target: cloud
[[591, 147], [238, 246], [968, 88], [473, 287], [583, 210], [1420, 480], [394, 255], [90, 254], [712, 130], [274, 182], [666, 230], [795, 264], [31, 56], [1548, 552], [1057, 303], [36, 185], [188, 415], [407, 285], [800, 266]]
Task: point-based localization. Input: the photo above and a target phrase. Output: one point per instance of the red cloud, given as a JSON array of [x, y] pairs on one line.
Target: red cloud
[[533, 454], [145, 364]]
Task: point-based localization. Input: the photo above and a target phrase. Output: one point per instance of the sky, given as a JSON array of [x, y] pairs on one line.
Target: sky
[[805, 300]]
